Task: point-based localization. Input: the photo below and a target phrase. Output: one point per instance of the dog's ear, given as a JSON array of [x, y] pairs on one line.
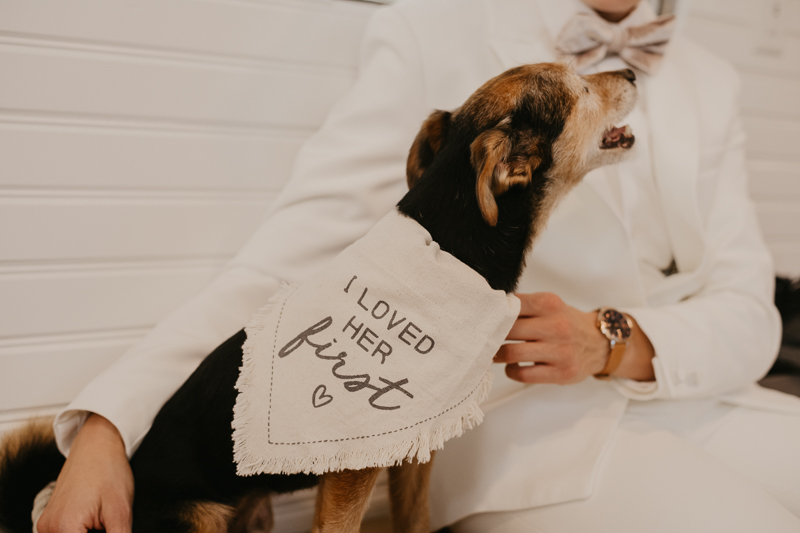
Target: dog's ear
[[501, 160], [428, 142]]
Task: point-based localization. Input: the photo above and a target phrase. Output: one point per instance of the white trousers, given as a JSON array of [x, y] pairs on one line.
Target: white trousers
[[681, 466]]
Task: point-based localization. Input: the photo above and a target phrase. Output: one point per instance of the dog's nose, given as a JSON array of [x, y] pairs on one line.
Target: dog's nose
[[628, 74]]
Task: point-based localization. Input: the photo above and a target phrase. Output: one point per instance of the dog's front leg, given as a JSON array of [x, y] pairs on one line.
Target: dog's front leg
[[408, 488], [342, 499]]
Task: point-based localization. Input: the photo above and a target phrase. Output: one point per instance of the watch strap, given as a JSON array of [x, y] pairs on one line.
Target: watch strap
[[614, 360]]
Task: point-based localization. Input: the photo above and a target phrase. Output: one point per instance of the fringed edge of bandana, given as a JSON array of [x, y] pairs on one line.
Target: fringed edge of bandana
[[417, 446], [241, 409]]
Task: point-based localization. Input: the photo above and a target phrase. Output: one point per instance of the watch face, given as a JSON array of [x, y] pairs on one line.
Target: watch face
[[615, 325]]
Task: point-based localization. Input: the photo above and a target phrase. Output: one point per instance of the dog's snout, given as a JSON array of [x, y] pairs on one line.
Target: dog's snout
[[628, 74]]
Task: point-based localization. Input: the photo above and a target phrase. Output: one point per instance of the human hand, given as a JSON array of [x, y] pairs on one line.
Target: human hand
[[564, 343], [95, 487]]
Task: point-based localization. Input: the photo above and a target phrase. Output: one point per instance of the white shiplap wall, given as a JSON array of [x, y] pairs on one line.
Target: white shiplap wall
[[140, 143], [770, 109]]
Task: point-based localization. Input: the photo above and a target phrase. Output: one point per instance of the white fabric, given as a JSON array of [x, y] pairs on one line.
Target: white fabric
[[40, 502], [694, 466], [713, 325], [588, 38], [632, 188], [394, 333], [644, 216], [632, 191]]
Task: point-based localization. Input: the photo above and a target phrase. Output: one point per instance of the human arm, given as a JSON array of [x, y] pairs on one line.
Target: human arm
[[346, 177], [566, 345], [713, 327], [95, 487]]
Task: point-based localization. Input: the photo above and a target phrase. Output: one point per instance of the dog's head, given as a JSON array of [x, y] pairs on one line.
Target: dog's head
[[539, 127]]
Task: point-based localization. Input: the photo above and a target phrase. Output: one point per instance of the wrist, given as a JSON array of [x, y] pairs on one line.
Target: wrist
[[635, 362], [638, 361], [617, 329], [99, 431], [598, 344]]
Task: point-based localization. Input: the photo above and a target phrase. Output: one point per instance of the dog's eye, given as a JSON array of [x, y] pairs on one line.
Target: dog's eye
[[586, 89]]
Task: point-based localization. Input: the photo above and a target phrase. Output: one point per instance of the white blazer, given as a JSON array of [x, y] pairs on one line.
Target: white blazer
[[713, 325]]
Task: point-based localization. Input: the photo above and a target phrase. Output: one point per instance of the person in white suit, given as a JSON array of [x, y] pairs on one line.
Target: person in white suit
[[680, 439]]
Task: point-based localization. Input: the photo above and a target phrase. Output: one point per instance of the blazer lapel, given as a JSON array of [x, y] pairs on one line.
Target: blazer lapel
[[675, 151], [673, 118]]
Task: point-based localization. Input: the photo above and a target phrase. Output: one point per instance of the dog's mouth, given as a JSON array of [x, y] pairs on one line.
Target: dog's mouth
[[617, 138]]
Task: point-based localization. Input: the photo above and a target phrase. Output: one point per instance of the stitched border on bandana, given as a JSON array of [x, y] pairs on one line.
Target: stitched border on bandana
[[269, 410]]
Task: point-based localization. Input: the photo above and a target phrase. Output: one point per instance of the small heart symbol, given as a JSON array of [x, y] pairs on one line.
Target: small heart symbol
[[319, 398]]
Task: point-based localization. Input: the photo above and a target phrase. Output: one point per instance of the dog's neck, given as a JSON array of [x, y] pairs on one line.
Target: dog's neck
[[443, 201]]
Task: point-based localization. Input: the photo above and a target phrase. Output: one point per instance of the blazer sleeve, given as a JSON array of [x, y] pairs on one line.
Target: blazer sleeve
[[725, 335], [347, 176]]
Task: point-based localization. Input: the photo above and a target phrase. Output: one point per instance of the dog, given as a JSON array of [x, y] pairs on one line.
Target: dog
[[482, 180]]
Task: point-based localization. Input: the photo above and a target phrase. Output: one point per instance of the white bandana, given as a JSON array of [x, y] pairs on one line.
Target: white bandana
[[380, 358]]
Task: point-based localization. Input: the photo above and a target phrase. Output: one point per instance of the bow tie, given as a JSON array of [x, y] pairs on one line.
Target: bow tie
[[589, 39]]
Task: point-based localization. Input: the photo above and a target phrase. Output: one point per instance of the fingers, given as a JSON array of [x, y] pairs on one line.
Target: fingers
[[526, 329], [51, 522], [117, 518], [524, 352], [543, 316], [95, 487], [81, 514], [539, 303], [551, 363], [563, 341], [538, 373], [553, 328]]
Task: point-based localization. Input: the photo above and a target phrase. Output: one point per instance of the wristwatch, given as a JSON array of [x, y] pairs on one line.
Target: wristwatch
[[617, 328]]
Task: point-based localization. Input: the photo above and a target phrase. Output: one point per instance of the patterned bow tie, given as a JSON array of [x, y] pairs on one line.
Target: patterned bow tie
[[589, 39]]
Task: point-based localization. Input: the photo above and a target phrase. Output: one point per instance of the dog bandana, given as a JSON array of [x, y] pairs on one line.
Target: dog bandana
[[380, 358]]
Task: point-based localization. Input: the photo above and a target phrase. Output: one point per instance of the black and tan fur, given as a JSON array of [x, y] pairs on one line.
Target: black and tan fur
[[483, 180]]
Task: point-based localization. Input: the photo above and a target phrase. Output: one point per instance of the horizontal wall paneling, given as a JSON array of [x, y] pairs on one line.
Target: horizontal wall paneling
[[309, 32], [109, 297], [738, 44], [11, 419], [58, 81], [775, 180], [747, 12], [772, 138], [787, 258], [65, 226], [775, 96], [44, 152], [50, 373], [780, 221]]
